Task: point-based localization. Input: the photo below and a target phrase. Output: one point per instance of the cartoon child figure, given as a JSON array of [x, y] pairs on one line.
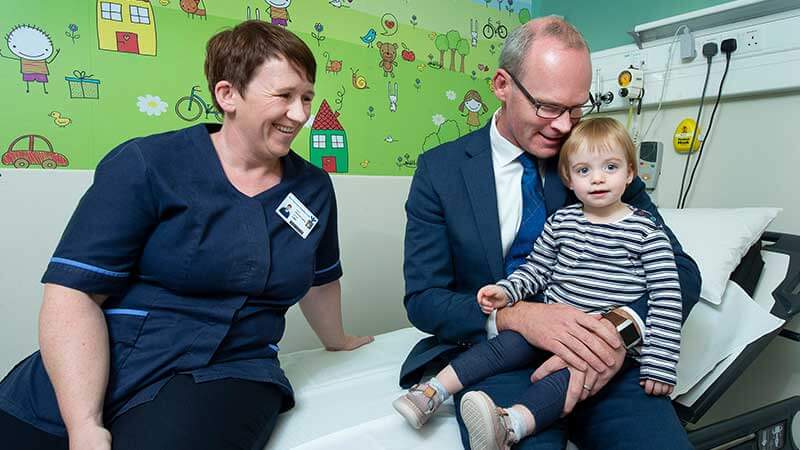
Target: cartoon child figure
[[279, 11], [34, 50], [475, 108]]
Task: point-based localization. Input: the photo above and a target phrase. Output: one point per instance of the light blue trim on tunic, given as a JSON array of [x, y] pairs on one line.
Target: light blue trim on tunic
[[327, 269], [125, 312], [89, 267]]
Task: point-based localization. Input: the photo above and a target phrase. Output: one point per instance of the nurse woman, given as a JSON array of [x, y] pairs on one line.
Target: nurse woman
[[165, 299]]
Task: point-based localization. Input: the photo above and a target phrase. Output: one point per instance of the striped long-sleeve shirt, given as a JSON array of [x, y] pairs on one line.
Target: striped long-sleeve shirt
[[596, 267]]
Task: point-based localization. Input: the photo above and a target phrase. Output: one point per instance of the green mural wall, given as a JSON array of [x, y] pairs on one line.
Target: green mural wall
[[79, 77], [605, 24]]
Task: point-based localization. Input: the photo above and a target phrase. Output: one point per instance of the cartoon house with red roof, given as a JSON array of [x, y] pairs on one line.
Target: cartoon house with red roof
[[328, 141]]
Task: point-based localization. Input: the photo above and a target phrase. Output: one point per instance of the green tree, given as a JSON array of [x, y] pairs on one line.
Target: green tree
[[453, 38], [463, 49], [441, 44], [449, 131], [446, 132], [431, 141]]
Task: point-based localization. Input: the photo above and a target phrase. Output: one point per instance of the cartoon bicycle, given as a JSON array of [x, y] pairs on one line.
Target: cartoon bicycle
[[490, 30], [190, 107]]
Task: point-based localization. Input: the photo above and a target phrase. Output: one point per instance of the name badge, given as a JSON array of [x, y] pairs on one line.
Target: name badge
[[295, 213]]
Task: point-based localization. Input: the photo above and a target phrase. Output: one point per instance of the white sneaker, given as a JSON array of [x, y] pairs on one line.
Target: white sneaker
[[418, 404], [489, 427]]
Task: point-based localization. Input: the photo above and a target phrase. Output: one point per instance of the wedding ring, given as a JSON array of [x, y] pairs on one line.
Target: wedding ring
[[587, 387]]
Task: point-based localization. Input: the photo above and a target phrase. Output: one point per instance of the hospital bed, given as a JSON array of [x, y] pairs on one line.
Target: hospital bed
[[344, 399]]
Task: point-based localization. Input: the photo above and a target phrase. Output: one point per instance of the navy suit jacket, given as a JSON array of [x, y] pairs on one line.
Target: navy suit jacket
[[453, 247]]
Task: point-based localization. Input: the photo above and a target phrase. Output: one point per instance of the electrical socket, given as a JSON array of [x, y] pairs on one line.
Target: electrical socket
[[750, 41], [700, 48], [718, 40]]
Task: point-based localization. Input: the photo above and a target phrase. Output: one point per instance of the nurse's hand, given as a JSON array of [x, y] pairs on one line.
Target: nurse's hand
[[322, 306], [90, 437], [350, 343]]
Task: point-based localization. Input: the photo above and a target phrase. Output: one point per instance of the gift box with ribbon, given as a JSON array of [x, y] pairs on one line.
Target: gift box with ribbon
[[82, 85]]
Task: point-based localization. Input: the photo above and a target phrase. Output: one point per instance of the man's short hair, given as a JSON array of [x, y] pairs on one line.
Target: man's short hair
[[599, 134], [234, 54], [519, 41]]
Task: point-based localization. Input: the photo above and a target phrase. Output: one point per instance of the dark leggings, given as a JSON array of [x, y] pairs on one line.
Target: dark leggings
[[510, 351], [215, 415]]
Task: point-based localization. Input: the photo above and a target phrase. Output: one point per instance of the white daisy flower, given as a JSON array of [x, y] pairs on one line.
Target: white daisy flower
[[152, 105], [438, 119], [451, 95]]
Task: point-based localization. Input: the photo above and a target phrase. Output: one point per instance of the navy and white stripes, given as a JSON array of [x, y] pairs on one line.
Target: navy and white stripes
[[598, 267]]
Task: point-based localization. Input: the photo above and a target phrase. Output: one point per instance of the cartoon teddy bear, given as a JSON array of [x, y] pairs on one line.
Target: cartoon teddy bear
[[388, 57]]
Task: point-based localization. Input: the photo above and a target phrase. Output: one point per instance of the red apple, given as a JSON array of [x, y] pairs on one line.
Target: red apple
[[407, 54]]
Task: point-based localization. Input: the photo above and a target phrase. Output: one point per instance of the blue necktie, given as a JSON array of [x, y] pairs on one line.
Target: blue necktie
[[534, 214]]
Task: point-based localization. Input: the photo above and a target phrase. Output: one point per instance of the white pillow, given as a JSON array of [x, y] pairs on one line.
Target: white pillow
[[717, 239]]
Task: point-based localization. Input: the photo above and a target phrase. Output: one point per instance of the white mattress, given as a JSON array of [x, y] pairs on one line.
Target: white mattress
[[344, 399]]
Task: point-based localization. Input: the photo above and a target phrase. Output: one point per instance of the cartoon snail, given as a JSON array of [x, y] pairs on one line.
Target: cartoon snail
[[359, 81]]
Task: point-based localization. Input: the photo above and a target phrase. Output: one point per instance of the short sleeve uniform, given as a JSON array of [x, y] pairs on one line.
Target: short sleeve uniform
[[199, 275]]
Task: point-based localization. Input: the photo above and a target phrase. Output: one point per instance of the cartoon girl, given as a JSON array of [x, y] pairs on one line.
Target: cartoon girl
[[279, 12], [34, 50], [475, 108]]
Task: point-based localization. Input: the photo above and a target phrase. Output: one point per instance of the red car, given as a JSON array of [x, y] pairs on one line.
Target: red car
[[33, 149]]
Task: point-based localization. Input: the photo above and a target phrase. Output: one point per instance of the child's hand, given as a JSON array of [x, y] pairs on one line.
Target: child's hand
[[658, 388], [492, 297]]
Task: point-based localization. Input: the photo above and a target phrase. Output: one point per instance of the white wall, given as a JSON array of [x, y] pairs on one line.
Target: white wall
[[750, 159], [372, 223], [35, 206]]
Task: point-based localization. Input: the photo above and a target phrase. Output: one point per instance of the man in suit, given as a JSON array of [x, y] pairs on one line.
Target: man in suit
[[464, 212]]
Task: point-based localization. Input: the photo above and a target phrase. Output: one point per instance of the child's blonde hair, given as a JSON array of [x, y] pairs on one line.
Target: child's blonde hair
[[600, 134]]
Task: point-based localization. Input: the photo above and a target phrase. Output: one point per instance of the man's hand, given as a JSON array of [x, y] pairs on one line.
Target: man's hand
[[351, 343], [581, 340], [582, 383], [491, 297]]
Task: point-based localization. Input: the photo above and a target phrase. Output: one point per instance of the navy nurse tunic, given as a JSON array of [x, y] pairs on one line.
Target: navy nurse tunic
[[199, 275]]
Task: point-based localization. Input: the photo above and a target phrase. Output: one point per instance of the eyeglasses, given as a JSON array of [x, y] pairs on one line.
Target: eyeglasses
[[551, 111]]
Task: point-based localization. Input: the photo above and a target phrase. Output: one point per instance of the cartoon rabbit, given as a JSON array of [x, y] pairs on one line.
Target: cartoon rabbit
[[258, 14], [473, 31], [392, 96]]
